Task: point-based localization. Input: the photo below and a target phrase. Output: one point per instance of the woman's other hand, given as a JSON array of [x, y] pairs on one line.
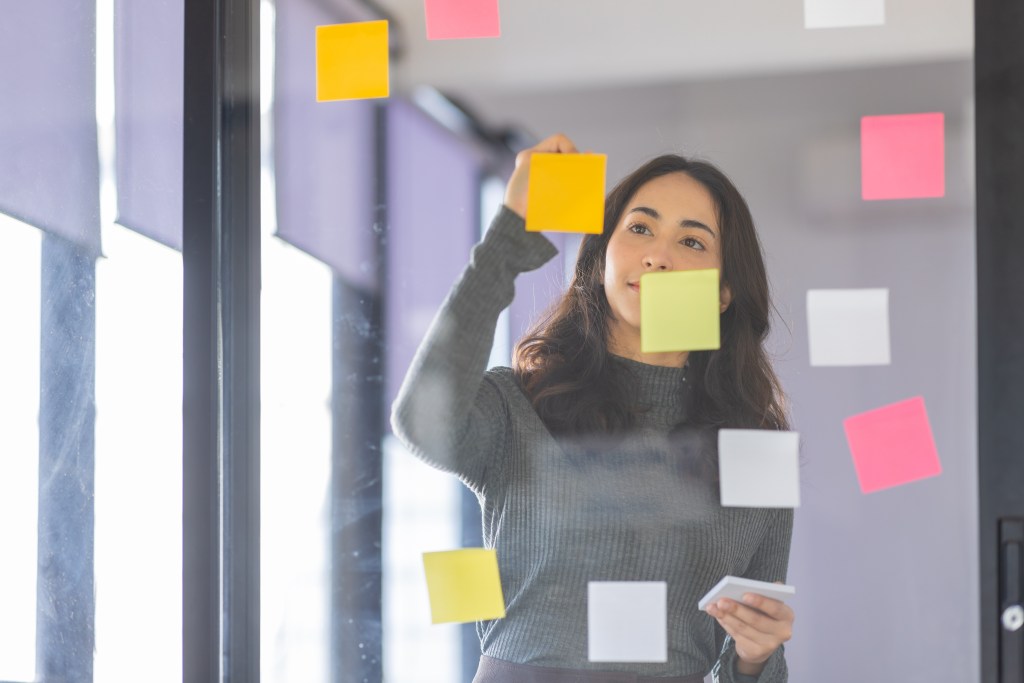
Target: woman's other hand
[[758, 625], [516, 191]]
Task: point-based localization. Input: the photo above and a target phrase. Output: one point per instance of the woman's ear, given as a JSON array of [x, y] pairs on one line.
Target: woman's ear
[[725, 297]]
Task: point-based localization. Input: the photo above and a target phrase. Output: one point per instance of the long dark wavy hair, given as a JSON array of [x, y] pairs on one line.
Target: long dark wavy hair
[[563, 363]]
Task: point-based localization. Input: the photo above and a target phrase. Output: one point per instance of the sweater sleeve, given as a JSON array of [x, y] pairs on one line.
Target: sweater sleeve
[[769, 563], [450, 412]]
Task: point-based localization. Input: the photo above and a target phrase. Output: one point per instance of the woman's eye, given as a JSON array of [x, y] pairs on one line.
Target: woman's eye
[[639, 229], [693, 243]]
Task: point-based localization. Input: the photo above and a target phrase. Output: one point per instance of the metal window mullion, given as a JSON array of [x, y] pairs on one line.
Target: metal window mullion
[[221, 242], [358, 426], [65, 592]]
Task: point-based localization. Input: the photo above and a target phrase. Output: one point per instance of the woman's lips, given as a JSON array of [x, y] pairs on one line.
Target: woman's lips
[[635, 286]]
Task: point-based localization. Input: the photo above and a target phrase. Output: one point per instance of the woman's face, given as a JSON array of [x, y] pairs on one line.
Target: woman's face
[[669, 224]]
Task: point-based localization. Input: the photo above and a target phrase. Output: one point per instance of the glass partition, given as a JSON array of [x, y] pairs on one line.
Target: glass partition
[[847, 130], [378, 205]]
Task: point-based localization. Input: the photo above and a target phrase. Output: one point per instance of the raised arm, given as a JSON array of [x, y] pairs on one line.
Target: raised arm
[[450, 411]]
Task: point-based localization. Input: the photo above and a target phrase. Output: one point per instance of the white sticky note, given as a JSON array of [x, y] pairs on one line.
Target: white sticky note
[[848, 326], [627, 621], [843, 13], [759, 468]]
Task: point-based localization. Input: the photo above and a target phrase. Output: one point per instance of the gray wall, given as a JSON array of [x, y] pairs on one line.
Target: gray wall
[[887, 582]]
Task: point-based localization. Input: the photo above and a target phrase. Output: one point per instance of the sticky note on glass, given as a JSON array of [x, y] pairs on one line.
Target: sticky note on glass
[[352, 61], [464, 585], [892, 445], [903, 156], [848, 327], [843, 13], [565, 193], [452, 19], [627, 621], [679, 311], [759, 468]]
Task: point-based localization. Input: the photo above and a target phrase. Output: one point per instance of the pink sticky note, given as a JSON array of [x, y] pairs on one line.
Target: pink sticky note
[[903, 156], [448, 19], [892, 445]]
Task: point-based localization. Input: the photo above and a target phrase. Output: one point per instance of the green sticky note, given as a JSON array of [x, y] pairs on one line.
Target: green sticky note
[[565, 193], [464, 585], [679, 311], [352, 61]]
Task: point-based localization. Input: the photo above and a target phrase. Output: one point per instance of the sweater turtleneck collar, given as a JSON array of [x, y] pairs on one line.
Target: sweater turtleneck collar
[[659, 389]]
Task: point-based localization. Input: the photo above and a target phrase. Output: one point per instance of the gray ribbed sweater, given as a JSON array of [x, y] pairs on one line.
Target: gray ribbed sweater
[[561, 513]]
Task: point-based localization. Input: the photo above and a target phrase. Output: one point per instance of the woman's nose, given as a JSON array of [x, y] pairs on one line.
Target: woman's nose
[[657, 262]]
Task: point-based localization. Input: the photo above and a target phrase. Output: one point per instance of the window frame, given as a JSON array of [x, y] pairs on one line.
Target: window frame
[[221, 261]]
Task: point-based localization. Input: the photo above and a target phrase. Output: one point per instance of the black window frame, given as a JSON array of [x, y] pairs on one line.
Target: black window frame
[[221, 262], [999, 175]]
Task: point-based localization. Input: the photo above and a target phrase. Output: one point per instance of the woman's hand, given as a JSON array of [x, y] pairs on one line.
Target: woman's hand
[[515, 193], [758, 625]]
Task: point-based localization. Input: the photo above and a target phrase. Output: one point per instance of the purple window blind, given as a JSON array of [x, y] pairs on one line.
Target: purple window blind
[[148, 87], [49, 164], [323, 154], [433, 222]]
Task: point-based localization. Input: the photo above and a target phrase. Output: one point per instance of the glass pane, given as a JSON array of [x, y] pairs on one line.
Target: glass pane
[[377, 208], [90, 463], [296, 349], [19, 464]]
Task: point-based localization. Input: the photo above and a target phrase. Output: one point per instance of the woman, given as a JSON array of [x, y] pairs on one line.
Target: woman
[[594, 461]]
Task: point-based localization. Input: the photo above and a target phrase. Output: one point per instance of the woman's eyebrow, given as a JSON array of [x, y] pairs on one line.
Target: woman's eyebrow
[[690, 223], [647, 210], [685, 223]]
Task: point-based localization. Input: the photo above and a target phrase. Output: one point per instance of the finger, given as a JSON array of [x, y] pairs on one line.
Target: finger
[[753, 618], [781, 629], [773, 608], [773, 633], [557, 143], [740, 631], [554, 144], [746, 647]]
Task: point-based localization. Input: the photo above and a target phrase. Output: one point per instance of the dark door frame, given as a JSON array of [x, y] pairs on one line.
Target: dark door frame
[[999, 132]]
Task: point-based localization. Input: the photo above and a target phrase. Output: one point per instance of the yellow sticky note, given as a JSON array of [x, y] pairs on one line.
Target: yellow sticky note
[[679, 311], [464, 585], [352, 61], [565, 193]]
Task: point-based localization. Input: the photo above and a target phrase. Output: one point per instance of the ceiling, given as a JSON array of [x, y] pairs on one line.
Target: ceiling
[[557, 44]]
